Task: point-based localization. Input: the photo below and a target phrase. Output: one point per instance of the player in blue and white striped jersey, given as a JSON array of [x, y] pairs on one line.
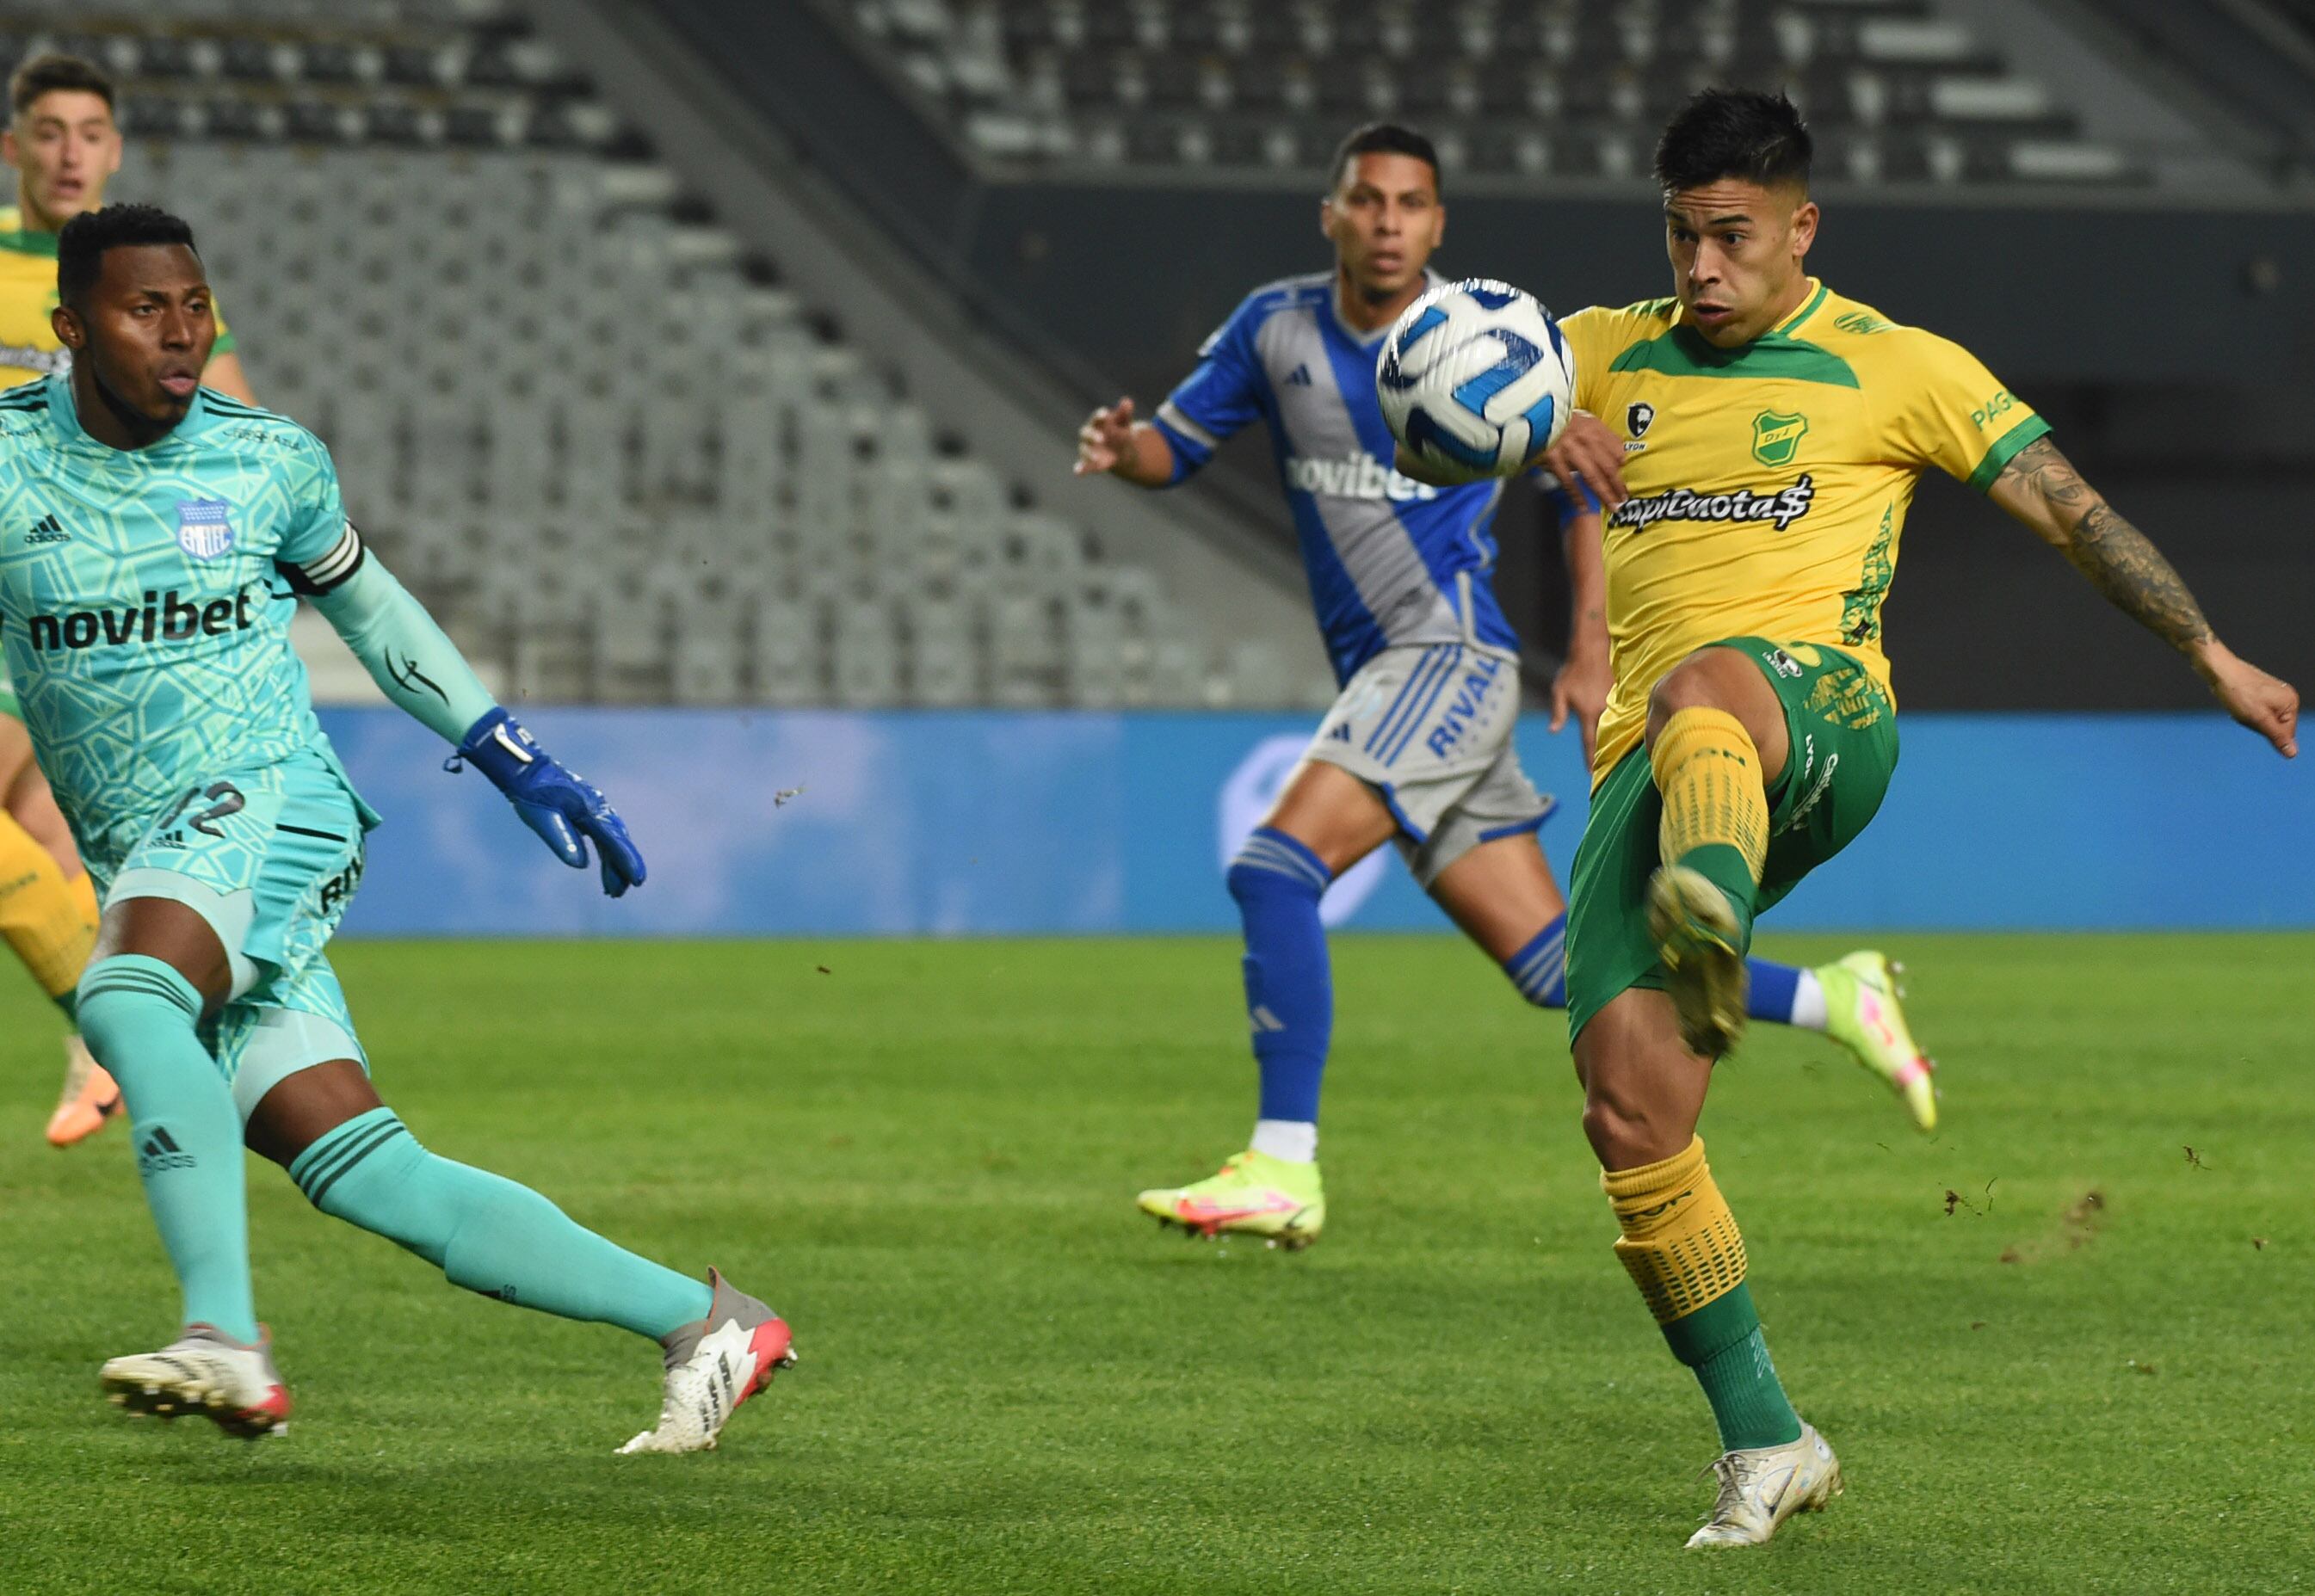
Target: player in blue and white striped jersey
[[1417, 751]]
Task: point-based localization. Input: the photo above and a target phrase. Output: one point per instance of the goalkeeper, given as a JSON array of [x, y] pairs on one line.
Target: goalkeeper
[[173, 719]]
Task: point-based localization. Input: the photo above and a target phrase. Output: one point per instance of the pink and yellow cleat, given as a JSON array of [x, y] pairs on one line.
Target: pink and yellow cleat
[[1254, 1195], [1864, 1013]]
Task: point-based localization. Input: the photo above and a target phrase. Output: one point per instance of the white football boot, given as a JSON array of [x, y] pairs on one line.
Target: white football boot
[[205, 1371], [1761, 1488], [714, 1365]]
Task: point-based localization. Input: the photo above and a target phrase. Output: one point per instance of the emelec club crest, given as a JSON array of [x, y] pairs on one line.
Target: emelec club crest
[[204, 528]]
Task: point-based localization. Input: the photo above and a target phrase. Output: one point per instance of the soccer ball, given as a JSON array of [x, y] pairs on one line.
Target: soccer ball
[[1475, 378]]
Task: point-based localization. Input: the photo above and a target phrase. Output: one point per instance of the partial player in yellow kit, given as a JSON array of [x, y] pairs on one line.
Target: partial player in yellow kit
[[1754, 442], [1769, 485], [65, 147]]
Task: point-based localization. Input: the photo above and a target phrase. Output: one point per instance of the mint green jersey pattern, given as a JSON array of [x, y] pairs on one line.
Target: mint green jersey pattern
[[145, 624]]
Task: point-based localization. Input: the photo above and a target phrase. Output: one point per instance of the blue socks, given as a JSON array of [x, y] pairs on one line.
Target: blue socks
[[137, 1015], [1539, 970], [1785, 994], [1289, 988], [486, 1233]]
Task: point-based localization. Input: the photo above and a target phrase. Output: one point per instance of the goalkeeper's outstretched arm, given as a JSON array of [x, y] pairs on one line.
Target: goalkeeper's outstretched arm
[[421, 671], [418, 668]]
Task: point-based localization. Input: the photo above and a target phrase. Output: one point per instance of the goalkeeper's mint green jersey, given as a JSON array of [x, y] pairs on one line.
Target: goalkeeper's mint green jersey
[[145, 597]]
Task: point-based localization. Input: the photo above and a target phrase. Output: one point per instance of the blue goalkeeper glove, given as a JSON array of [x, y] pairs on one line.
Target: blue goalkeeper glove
[[560, 807]]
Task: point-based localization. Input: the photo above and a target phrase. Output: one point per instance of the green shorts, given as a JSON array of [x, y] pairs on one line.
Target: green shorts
[[1844, 749], [270, 859], [9, 706]]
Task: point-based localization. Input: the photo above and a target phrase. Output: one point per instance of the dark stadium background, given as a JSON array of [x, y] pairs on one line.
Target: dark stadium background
[[2169, 337]]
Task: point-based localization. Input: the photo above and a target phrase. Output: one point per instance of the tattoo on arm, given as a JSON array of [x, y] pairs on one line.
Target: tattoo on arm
[[2114, 554]]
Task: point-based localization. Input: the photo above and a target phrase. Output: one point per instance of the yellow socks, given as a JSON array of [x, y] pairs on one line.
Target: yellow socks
[[1716, 803], [49, 922], [1680, 1243], [1682, 1247]]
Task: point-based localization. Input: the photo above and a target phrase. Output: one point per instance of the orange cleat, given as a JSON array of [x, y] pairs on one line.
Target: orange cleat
[[90, 1097]]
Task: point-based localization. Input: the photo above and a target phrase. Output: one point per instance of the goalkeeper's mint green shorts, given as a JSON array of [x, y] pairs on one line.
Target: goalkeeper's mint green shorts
[[270, 858]]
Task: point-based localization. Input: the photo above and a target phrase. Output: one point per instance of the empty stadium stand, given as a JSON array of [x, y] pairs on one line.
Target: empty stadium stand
[[1900, 91], [623, 461]]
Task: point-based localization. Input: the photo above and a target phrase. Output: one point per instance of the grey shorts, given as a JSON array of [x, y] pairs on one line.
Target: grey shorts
[[1429, 727]]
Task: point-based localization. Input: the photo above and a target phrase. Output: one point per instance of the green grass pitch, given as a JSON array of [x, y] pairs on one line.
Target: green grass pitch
[[2055, 1352]]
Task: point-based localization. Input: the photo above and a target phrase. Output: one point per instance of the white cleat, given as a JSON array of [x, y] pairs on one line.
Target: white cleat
[[1761, 1488], [204, 1371], [714, 1365]]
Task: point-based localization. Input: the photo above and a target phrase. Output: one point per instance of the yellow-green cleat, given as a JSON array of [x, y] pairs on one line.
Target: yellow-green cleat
[[1255, 1194], [1697, 939], [1864, 1013]]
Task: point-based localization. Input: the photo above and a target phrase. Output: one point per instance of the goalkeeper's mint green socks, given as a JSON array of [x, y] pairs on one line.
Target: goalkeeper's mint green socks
[[137, 1015], [486, 1233]]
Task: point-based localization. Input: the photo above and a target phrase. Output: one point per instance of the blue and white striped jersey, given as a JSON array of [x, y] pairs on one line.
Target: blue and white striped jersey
[[1390, 560]]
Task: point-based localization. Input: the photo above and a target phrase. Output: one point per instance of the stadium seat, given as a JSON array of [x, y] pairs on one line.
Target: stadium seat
[[671, 485], [1221, 82]]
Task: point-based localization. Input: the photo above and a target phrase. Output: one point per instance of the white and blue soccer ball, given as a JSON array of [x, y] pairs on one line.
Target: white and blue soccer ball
[[1475, 378]]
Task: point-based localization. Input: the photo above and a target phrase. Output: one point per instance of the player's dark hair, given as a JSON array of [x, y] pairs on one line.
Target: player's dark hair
[[1739, 133], [1385, 139], [45, 75], [81, 246]]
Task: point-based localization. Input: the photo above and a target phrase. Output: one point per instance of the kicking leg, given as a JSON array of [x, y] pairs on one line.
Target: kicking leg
[[1718, 743], [1643, 1090], [353, 1158], [1325, 821], [1504, 897]]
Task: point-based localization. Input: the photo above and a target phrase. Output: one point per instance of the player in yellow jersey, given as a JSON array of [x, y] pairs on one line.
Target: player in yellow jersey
[[1770, 433], [65, 146]]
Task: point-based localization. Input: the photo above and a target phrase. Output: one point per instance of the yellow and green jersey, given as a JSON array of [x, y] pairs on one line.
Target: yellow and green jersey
[[28, 348], [1770, 483]]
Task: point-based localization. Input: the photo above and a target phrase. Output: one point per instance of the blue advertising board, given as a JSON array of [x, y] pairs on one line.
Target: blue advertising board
[[956, 823]]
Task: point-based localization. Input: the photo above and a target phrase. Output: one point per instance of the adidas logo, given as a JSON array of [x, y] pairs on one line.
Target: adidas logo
[[48, 530], [160, 1151], [1263, 1020], [1299, 378], [1340, 733]]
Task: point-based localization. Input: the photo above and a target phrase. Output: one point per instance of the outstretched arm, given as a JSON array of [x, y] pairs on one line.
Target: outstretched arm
[[416, 667], [1113, 441], [2041, 488], [421, 669]]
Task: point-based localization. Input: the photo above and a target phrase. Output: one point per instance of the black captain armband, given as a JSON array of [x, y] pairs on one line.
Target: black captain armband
[[333, 569]]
